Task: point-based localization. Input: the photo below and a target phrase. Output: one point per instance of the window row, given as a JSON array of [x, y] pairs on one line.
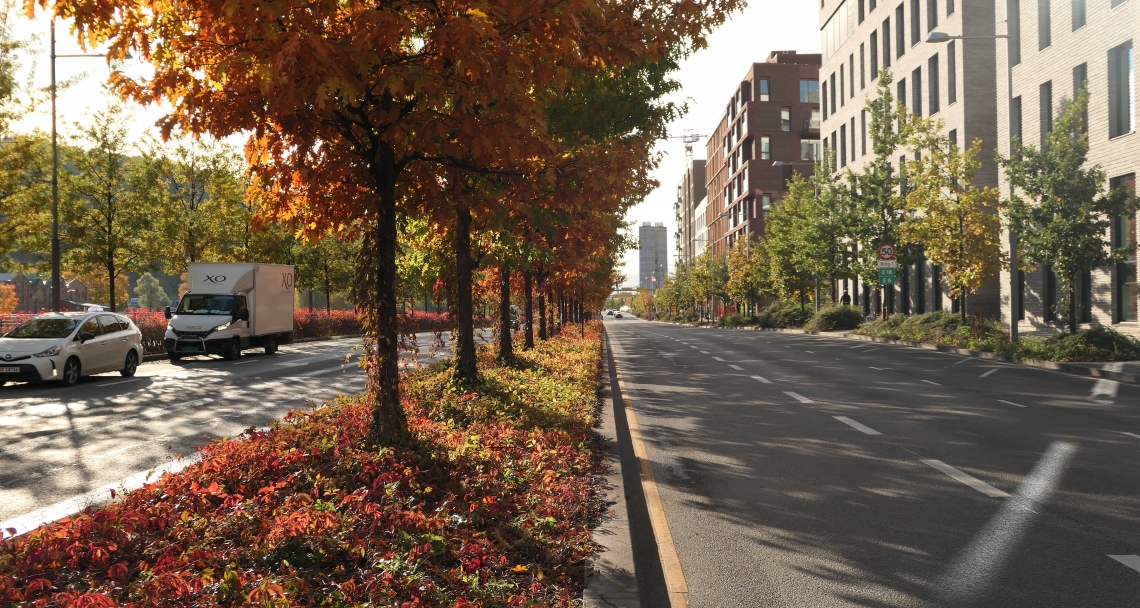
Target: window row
[[934, 72], [1078, 18]]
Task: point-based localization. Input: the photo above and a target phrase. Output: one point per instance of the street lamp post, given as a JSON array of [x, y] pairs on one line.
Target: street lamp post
[[1014, 276], [56, 281]]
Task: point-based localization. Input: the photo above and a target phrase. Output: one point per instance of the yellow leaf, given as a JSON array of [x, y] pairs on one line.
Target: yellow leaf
[[519, 568]]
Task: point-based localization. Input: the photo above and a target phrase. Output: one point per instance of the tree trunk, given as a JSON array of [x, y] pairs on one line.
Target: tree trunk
[[542, 335], [506, 351], [328, 288], [389, 423], [1071, 288], [528, 288], [466, 370], [110, 283]]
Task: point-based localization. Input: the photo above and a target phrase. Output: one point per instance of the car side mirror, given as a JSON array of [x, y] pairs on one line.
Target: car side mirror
[[86, 336], [167, 312], [244, 314]]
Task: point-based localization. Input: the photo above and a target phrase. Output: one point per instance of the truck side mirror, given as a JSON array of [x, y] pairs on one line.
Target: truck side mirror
[[167, 312], [243, 314]]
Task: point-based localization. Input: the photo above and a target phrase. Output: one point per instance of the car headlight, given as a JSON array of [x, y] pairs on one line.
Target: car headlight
[[169, 327], [51, 352], [222, 326]]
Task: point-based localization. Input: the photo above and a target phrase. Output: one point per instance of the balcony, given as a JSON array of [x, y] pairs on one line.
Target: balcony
[[810, 127]]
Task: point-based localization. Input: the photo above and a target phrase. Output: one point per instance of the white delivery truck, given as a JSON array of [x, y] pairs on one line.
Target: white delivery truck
[[230, 308]]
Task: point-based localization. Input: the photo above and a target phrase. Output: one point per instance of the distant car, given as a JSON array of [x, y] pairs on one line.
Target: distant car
[[609, 313], [66, 346], [618, 316]]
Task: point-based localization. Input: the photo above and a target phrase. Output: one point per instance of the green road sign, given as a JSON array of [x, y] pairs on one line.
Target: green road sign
[[886, 276]]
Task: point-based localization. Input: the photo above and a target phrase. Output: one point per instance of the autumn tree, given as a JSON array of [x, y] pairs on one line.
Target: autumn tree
[[8, 299], [1060, 211], [748, 278], [326, 265], [150, 293], [956, 222]]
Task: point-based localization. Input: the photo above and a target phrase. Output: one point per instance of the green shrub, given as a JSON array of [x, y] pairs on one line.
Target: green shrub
[[783, 314], [737, 319], [1096, 344], [836, 317]]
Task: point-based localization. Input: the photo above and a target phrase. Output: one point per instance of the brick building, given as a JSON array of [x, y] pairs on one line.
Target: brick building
[[773, 115], [34, 294]]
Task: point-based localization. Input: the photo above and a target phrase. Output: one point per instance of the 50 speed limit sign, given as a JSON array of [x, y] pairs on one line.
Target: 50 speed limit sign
[[886, 251]]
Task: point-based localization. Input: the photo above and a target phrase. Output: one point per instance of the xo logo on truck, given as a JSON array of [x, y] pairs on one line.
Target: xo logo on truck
[[217, 278], [287, 280]]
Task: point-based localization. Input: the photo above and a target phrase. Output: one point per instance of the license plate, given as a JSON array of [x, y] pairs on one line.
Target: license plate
[[189, 347], [9, 370]]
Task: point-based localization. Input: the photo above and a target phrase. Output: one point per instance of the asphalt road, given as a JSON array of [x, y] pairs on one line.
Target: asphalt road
[[800, 470], [59, 443]]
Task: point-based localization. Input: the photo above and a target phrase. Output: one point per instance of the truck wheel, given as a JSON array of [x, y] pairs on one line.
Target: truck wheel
[[234, 351], [71, 372], [130, 365], [270, 343]]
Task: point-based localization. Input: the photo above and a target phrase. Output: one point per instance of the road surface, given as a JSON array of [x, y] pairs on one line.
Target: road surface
[[800, 470]]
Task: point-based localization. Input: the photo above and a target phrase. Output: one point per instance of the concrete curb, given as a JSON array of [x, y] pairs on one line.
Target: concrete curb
[[162, 356], [1075, 369]]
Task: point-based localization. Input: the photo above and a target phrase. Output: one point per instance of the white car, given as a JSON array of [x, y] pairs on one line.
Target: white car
[[66, 346]]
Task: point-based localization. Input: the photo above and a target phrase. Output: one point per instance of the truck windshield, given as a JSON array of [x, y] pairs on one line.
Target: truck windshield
[[44, 328], [205, 304]]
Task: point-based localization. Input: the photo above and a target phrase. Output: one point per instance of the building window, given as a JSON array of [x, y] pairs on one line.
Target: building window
[[863, 132], [809, 91], [835, 32], [851, 74], [915, 23], [949, 7], [1116, 3], [1049, 294], [874, 55], [862, 67], [1121, 90], [936, 286], [874, 3], [887, 42], [900, 34], [932, 75], [862, 4], [765, 148], [1079, 17], [813, 122], [900, 94], [916, 89], [951, 73], [763, 96], [832, 89], [843, 145], [1046, 98], [1013, 25], [1084, 296], [931, 15], [785, 119], [1015, 123], [823, 100], [809, 149], [1021, 295], [953, 138], [1044, 25], [1127, 293], [1080, 81], [842, 88], [852, 139]]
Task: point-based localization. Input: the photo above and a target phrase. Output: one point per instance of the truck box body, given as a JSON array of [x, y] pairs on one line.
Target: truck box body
[[269, 291]]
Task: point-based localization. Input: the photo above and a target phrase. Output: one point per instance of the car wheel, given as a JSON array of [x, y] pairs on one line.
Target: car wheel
[[71, 372], [270, 343], [131, 364], [175, 358], [234, 350]]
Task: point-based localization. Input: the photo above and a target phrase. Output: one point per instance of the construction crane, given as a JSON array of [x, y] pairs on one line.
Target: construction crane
[[689, 139]]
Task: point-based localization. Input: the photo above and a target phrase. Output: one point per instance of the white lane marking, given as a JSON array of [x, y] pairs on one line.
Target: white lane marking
[[971, 575], [969, 480], [762, 379], [1104, 391], [855, 425], [934, 383], [1010, 403], [988, 373], [810, 351], [119, 382], [787, 347], [857, 346], [694, 348], [870, 350], [704, 352], [736, 367], [959, 362], [798, 397], [719, 359], [1131, 434], [838, 359], [244, 362], [876, 368], [1132, 561], [295, 362]]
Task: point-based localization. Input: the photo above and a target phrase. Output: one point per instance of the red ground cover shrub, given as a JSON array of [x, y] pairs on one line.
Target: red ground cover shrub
[[152, 324], [9, 320], [489, 505], [317, 323]]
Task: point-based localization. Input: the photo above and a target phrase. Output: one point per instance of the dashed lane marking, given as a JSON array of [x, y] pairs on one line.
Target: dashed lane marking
[[930, 382], [857, 426], [1132, 561], [719, 359], [736, 367], [704, 352], [798, 397], [1010, 403], [988, 373], [762, 379], [969, 480], [1131, 434]]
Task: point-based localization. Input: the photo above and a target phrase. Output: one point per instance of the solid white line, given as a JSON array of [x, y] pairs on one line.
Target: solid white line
[[1132, 561], [988, 373], [736, 367], [119, 382], [969, 480], [1010, 403], [1131, 434], [855, 425], [762, 379], [719, 359], [934, 383], [798, 397]]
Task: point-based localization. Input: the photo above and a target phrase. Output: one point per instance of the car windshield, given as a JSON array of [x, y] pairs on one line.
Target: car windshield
[[205, 304], [44, 328]]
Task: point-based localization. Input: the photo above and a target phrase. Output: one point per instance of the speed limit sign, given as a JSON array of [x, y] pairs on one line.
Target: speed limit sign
[[886, 251]]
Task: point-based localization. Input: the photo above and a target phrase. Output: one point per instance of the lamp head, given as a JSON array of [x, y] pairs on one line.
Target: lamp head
[[938, 37]]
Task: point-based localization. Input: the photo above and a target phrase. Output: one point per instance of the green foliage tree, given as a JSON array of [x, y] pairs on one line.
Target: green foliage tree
[[108, 220], [747, 266], [150, 293], [326, 265], [1060, 211]]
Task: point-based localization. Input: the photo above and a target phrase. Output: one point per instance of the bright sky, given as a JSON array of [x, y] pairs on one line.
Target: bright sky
[[708, 79]]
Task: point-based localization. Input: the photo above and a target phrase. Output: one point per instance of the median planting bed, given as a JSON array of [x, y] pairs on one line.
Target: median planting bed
[[489, 504]]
